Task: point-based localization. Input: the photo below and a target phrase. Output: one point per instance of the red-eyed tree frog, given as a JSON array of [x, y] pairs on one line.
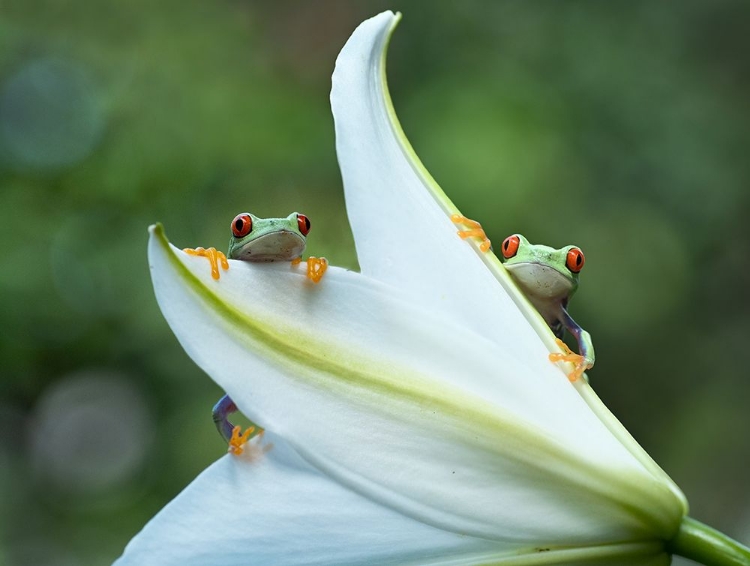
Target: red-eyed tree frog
[[266, 239], [548, 277], [258, 240]]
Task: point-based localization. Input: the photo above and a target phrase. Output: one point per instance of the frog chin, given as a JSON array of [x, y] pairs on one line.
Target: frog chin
[[276, 246], [541, 281]]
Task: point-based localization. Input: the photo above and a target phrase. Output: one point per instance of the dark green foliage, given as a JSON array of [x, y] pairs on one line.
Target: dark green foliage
[[621, 127]]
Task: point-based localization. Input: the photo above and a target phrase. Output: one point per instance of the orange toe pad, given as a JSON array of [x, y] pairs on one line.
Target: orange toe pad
[[569, 356], [316, 267], [214, 256], [474, 231], [238, 440]]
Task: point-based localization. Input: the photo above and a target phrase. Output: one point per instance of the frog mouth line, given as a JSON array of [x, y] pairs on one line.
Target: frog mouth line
[[540, 279], [282, 245]]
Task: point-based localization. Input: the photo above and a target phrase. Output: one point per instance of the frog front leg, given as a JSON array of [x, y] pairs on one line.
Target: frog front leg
[[316, 267], [215, 258], [474, 230], [234, 436], [585, 358]]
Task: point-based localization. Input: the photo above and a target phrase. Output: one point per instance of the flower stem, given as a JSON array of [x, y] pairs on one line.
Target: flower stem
[[708, 546]]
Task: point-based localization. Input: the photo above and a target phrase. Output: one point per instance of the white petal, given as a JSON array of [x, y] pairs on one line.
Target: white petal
[[406, 408], [402, 228], [399, 216], [274, 508], [271, 507]]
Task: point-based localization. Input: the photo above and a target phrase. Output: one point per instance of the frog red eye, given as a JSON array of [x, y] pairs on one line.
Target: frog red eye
[[575, 260], [304, 224], [510, 246], [242, 225]]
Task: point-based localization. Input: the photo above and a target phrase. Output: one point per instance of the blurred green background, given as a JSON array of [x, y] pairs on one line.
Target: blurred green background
[[620, 126]]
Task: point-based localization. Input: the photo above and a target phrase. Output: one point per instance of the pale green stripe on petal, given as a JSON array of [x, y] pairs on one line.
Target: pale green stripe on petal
[[489, 258], [384, 182], [397, 428]]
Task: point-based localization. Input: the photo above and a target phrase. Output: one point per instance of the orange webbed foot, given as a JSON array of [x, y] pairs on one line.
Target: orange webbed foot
[[239, 439], [568, 355], [214, 256], [316, 267], [474, 231]]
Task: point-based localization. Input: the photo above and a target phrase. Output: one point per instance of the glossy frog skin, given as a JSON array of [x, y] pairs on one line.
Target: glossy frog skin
[[268, 239], [549, 277]]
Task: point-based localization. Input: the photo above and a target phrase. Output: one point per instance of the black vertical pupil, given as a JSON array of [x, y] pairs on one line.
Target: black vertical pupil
[[307, 223], [578, 259], [506, 244], [243, 225]]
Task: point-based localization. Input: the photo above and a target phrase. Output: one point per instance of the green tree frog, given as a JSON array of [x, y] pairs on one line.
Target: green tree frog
[[266, 239], [549, 277], [258, 240]]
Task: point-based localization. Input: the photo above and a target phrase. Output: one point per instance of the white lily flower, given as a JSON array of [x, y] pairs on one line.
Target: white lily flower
[[413, 414]]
